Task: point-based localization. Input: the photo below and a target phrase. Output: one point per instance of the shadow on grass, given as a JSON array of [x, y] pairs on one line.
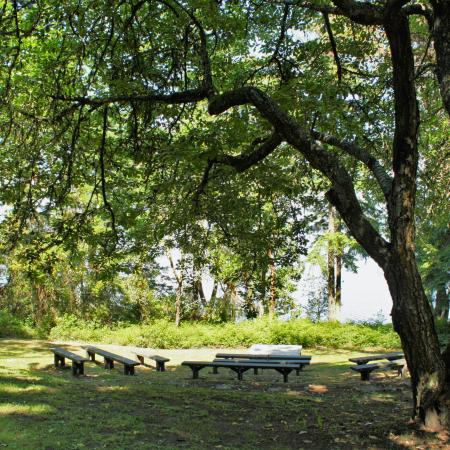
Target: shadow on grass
[[324, 407]]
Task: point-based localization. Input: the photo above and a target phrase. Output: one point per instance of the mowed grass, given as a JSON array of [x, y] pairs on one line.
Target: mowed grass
[[326, 407]]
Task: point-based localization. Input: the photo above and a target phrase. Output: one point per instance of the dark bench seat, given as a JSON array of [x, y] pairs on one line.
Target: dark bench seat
[[77, 361], [387, 356], [110, 358], [160, 360], [261, 356], [299, 363], [366, 369], [240, 367]]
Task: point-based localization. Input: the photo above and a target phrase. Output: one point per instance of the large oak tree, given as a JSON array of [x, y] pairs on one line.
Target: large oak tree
[[89, 87]]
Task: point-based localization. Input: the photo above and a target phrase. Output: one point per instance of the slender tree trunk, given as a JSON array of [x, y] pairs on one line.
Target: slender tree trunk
[[178, 302], [273, 289], [330, 267], [179, 293], [442, 303], [441, 35], [338, 290], [201, 292], [262, 298], [213, 297]]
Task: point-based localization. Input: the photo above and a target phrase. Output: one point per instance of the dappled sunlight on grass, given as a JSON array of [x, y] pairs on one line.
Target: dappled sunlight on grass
[[24, 410], [326, 406], [15, 389]]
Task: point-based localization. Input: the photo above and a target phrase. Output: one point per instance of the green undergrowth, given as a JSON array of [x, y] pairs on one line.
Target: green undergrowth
[[10, 326], [163, 334]]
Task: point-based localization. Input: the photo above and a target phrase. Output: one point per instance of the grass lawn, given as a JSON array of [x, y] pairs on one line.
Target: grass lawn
[[326, 407]]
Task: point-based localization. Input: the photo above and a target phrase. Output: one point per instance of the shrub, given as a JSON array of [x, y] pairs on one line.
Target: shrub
[[164, 334], [12, 327]]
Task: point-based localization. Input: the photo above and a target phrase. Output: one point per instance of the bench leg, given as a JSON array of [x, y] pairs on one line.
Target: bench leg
[[128, 370], [109, 363], [285, 372], [240, 371], [140, 358], [215, 370], [255, 371], [365, 376], [91, 355], [60, 361], [195, 371], [77, 368], [160, 367]]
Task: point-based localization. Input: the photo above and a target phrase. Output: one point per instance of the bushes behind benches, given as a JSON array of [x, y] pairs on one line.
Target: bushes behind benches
[[163, 334]]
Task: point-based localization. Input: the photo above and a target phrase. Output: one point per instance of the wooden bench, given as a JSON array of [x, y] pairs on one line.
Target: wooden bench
[[367, 359], [110, 358], [77, 361], [262, 356], [160, 360], [299, 362], [240, 367], [366, 369]]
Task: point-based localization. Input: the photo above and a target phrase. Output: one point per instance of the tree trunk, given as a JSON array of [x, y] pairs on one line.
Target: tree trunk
[[338, 289], [442, 303], [178, 305], [441, 35], [273, 290], [179, 293], [331, 288], [413, 320]]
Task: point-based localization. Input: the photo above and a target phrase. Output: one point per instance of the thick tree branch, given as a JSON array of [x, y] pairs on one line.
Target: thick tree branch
[[343, 193], [363, 13], [243, 162], [240, 163], [187, 96], [383, 178]]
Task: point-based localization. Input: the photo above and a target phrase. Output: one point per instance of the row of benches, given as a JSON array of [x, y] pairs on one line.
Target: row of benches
[[237, 362], [109, 359]]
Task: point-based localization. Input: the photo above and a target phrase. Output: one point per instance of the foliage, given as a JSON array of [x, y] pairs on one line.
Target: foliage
[[11, 326], [163, 334]]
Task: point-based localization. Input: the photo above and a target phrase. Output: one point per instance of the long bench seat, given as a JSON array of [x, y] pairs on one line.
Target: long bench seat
[[110, 358], [368, 358], [366, 369], [262, 356], [240, 367], [77, 361], [159, 360], [298, 363]]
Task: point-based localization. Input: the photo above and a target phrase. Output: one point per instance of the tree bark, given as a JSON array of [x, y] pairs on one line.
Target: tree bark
[[179, 292], [413, 320], [273, 289], [442, 303], [441, 35], [331, 288], [338, 285]]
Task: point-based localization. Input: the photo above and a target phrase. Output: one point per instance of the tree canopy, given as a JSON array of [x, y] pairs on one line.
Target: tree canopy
[[124, 123]]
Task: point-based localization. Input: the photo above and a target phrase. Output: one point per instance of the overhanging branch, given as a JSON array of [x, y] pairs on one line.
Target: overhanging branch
[[187, 96], [384, 180], [343, 194]]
